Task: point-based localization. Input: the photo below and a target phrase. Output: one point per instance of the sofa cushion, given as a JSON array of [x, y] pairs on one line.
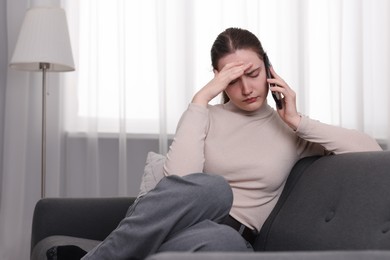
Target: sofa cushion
[[338, 202], [153, 172]]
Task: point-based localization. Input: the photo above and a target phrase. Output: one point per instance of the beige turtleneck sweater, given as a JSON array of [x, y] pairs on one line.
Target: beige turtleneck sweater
[[253, 151]]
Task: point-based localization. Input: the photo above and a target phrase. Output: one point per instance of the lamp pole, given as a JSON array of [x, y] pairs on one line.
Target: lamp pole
[[44, 66]]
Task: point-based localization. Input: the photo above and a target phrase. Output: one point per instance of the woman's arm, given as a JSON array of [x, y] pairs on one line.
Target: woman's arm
[[332, 138], [186, 153], [335, 139]]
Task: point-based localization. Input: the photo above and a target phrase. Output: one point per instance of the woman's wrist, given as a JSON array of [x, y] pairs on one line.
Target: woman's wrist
[[294, 122], [200, 99]]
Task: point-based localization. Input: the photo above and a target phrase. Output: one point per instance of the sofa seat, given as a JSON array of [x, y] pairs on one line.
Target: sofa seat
[[299, 255]]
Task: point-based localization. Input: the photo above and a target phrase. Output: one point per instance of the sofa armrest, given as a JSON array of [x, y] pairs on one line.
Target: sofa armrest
[[90, 218]]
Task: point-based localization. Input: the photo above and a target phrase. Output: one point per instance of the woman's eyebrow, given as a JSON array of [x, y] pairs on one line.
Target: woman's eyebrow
[[250, 72]]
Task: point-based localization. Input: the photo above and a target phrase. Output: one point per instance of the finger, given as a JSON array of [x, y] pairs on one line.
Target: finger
[[273, 73], [248, 66], [277, 89], [287, 93], [277, 77], [281, 88], [241, 68], [236, 71], [278, 81], [232, 65]]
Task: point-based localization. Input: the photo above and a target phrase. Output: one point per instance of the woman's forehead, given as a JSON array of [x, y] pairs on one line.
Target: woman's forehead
[[244, 55]]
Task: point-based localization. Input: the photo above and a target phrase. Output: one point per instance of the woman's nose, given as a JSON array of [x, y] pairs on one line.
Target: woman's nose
[[246, 89]]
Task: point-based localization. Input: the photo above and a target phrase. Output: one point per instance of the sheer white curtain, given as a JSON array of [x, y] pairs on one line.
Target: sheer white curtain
[[138, 63]]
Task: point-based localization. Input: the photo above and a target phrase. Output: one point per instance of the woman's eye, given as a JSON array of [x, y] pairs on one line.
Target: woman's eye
[[253, 74], [233, 82]]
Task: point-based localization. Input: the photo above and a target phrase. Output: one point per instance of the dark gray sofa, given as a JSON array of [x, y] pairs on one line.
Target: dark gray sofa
[[333, 207]]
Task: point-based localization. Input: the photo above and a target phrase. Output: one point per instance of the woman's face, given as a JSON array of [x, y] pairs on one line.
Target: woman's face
[[249, 91]]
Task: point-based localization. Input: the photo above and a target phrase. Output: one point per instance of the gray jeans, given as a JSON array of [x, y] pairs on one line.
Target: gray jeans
[[180, 214]]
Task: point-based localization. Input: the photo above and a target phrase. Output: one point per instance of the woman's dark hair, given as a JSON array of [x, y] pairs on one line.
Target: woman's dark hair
[[229, 41]]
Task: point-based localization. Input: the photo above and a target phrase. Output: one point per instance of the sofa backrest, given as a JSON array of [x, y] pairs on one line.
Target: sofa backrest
[[337, 202]]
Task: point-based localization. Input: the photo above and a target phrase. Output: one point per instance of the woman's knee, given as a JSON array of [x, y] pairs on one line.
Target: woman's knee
[[212, 184], [211, 189], [199, 185], [210, 196]]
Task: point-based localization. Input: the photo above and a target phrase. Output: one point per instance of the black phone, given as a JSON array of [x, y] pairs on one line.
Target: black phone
[[276, 95]]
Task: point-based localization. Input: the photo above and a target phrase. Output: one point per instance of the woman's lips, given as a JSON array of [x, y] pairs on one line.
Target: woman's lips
[[250, 100]]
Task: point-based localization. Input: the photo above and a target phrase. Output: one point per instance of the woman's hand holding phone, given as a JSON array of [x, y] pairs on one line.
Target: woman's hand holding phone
[[288, 112]]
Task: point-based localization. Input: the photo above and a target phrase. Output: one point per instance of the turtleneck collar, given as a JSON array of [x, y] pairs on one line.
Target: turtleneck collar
[[264, 111]]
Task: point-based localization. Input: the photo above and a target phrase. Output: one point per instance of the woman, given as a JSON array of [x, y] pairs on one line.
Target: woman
[[252, 146]]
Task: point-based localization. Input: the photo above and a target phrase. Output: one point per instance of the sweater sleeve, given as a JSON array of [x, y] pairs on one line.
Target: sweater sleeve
[[334, 139], [186, 153]]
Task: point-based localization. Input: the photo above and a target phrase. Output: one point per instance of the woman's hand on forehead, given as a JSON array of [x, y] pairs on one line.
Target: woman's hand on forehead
[[230, 72]]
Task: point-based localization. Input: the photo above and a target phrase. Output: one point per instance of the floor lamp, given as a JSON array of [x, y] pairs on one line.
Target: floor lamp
[[43, 46]]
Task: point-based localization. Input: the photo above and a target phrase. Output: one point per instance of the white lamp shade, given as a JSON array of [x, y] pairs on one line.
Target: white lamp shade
[[43, 38]]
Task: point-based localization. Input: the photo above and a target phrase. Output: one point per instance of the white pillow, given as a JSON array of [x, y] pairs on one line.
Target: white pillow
[[153, 172]]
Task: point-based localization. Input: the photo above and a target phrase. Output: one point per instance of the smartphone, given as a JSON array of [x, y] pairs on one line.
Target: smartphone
[[276, 95]]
